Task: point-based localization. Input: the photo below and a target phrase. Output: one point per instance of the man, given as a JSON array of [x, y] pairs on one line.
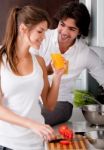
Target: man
[[73, 24]]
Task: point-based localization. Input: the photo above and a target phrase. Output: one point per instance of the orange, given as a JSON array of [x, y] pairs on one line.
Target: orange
[[59, 61]]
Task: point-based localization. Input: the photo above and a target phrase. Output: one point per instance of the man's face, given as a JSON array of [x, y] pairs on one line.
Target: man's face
[[67, 31]]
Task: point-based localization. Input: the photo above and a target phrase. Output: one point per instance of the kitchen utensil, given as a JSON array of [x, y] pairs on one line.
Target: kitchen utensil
[[96, 138], [94, 114], [81, 144], [60, 139], [91, 98]]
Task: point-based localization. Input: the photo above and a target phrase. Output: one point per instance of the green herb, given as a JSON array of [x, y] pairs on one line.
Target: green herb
[[82, 98]]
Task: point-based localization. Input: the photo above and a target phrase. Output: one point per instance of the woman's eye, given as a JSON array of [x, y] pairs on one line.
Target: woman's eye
[[39, 31]]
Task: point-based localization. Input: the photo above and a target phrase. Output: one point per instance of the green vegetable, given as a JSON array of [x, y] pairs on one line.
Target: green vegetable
[[82, 98]]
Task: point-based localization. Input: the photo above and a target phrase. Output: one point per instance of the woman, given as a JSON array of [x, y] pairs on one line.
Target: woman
[[23, 80]]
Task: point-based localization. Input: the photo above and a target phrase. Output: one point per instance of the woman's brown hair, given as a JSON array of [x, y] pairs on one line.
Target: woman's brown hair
[[30, 16]]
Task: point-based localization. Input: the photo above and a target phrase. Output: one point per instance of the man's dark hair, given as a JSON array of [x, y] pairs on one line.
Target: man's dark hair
[[76, 11]]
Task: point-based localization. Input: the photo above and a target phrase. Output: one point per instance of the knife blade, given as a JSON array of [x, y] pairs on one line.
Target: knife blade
[[60, 139]]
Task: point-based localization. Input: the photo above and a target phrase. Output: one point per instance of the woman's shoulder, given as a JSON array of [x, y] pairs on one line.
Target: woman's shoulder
[[4, 59]]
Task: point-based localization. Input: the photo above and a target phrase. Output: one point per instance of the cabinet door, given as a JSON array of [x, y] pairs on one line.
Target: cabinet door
[[97, 22]]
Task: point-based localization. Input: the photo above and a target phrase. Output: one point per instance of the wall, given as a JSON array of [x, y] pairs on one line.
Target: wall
[[5, 5]]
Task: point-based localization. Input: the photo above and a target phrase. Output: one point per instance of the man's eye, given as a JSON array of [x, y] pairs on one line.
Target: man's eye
[[62, 24], [73, 29]]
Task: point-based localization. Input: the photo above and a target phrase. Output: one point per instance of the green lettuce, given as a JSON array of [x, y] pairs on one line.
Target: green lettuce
[[82, 98]]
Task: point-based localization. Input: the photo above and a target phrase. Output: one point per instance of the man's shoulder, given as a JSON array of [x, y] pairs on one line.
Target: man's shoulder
[[82, 45], [50, 32]]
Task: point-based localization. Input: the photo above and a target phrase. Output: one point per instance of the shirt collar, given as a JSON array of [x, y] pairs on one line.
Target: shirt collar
[[55, 37], [72, 48]]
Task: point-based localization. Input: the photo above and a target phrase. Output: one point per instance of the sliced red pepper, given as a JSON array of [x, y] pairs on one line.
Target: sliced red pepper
[[62, 129], [68, 134], [64, 142], [65, 131]]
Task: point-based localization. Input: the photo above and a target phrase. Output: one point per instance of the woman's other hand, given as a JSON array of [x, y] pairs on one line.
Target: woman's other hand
[[43, 130]]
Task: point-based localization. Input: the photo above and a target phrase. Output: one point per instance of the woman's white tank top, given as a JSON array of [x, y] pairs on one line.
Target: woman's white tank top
[[22, 97]]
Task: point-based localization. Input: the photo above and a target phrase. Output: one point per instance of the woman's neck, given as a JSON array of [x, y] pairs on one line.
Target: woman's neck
[[22, 50]]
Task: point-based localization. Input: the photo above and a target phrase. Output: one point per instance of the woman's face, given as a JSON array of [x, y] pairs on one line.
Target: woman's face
[[37, 34], [67, 31]]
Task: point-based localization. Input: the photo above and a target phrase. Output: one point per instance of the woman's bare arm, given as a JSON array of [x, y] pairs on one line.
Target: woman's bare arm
[[50, 94]]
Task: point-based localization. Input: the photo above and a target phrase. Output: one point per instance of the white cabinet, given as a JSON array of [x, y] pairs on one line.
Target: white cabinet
[[97, 28], [96, 9]]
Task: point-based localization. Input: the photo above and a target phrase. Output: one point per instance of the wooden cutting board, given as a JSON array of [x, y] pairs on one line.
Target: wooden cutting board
[[79, 144]]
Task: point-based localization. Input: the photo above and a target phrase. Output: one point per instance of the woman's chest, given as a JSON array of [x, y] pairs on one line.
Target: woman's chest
[[12, 84]]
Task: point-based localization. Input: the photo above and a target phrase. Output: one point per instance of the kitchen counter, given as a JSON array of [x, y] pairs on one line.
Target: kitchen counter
[[78, 143], [79, 127]]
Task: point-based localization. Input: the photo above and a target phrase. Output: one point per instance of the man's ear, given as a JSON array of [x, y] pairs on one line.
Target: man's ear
[[79, 35], [22, 28]]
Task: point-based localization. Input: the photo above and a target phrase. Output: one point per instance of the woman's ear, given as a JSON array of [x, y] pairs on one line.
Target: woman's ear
[[22, 28]]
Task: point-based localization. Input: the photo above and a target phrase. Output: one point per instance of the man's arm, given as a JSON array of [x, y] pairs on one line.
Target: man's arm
[[96, 67]]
